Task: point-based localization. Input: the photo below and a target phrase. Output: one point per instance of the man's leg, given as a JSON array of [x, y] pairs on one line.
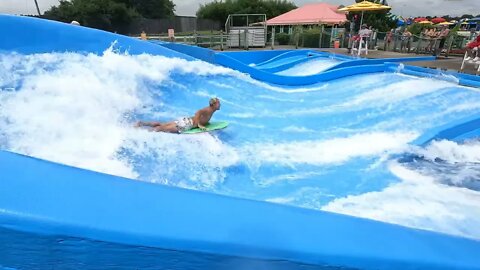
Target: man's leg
[[148, 124], [167, 127], [469, 53]]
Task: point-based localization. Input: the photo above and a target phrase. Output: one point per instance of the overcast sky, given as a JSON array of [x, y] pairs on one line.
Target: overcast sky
[[189, 7]]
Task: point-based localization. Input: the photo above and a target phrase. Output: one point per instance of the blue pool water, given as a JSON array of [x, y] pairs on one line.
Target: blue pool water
[[23, 250], [334, 146]]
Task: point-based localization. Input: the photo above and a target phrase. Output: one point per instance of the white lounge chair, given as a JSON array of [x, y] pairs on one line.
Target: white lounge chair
[[468, 61]]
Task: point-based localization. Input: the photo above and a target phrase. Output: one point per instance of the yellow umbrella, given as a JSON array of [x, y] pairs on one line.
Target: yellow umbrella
[[364, 6], [445, 23]]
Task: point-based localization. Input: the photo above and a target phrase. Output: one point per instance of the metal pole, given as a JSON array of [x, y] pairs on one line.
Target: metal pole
[[221, 40], [321, 36], [331, 36], [296, 36], [273, 38], [38, 9], [246, 39], [211, 38]]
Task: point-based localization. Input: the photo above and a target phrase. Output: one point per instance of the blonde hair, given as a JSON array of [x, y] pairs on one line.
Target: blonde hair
[[213, 101]]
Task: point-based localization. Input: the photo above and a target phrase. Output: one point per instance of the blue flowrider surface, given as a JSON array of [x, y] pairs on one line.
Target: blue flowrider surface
[[295, 181]]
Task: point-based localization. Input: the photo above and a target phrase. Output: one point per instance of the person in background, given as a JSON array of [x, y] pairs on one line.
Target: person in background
[[143, 35], [389, 38], [431, 36], [364, 31], [472, 50], [406, 38], [442, 36]]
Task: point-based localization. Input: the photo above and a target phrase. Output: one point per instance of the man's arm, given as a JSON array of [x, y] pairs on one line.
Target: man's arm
[[197, 119]]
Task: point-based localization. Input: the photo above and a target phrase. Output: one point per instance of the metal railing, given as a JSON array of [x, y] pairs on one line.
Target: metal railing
[[214, 40], [420, 44]]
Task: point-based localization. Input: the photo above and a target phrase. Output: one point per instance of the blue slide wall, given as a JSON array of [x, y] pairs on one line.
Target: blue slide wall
[[463, 129], [226, 60], [242, 61], [42, 197], [29, 35], [50, 198]]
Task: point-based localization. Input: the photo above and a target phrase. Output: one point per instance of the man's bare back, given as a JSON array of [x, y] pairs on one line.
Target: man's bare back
[[200, 119]]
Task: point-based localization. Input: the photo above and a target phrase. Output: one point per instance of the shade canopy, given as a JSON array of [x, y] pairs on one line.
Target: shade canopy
[[425, 22], [445, 23], [420, 19], [365, 6], [438, 20], [319, 13]]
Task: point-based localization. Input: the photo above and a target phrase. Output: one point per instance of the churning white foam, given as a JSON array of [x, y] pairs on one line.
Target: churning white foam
[[76, 109], [378, 95], [330, 151], [309, 68], [421, 199], [397, 92], [452, 152]]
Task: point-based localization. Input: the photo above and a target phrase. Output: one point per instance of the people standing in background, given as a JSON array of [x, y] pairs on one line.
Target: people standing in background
[[405, 41], [472, 50], [442, 36], [432, 38], [389, 38]]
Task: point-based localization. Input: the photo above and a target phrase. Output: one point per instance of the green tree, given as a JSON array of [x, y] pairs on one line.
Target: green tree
[[151, 9], [219, 10], [107, 15], [110, 15]]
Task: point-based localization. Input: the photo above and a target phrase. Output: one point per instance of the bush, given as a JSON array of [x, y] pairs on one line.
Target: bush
[[310, 38], [282, 38]]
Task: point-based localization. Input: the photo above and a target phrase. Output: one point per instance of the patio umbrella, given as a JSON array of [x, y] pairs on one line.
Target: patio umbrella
[[364, 6], [438, 20], [425, 22], [420, 19], [445, 23]]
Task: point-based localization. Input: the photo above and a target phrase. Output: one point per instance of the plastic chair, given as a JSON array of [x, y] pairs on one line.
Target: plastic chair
[[362, 46], [475, 63]]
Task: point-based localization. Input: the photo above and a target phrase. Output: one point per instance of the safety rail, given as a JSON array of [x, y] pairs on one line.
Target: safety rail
[[420, 44], [217, 41]]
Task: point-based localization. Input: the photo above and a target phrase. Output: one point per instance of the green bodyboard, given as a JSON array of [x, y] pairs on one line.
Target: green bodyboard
[[210, 126]]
